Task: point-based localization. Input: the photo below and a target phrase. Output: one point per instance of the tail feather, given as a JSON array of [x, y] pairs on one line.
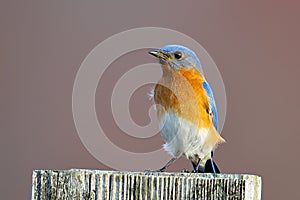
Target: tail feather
[[211, 167]]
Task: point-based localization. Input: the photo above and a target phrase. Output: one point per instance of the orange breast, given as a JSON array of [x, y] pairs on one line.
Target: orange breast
[[182, 91]]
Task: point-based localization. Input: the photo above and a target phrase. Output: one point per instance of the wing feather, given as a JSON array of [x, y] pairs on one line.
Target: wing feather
[[212, 104]]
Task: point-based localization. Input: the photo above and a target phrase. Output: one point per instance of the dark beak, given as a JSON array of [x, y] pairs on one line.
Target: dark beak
[[159, 54]]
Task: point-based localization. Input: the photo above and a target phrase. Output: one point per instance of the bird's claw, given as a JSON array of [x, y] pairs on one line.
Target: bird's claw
[[148, 171], [185, 171]]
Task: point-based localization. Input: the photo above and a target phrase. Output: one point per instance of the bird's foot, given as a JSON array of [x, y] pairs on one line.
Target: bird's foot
[[148, 172], [186, 171]]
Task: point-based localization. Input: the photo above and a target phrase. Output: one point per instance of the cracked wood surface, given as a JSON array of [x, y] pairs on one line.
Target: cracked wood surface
[[98, 184]]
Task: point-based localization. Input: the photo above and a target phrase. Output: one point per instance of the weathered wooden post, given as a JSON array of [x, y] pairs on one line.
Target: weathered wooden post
[[98, 184]]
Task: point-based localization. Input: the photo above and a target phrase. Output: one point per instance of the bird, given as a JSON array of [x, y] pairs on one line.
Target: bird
[[186, 109]]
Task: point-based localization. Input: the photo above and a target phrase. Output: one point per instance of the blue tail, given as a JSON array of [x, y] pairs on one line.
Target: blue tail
[[211, 167]]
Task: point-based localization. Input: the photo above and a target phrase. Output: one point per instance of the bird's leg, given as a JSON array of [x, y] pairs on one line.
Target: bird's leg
[[164, 167], [199, 166], [167, 165]]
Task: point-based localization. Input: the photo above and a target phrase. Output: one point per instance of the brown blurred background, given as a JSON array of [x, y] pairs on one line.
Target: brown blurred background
[[255, 44]]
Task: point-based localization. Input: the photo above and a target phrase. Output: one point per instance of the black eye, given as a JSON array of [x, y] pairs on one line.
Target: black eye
[[178, 55]]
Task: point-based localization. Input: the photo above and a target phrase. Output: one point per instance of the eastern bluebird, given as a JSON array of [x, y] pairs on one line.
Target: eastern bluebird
[[186, 109]]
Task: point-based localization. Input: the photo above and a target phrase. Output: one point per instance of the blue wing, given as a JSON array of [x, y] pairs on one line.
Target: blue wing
[[213, 107], [212, 104]]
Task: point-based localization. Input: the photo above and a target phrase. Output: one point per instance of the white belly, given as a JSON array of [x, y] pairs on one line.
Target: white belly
[[183, 138]]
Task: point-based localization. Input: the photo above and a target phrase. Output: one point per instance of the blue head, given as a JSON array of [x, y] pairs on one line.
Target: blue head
[[177, 56]]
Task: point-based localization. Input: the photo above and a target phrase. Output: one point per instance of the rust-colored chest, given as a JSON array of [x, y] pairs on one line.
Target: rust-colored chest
[[181, 91]]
